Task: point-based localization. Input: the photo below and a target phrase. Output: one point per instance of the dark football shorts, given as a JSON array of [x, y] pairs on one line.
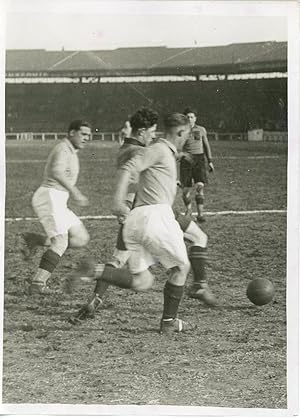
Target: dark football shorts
[[195, 171]]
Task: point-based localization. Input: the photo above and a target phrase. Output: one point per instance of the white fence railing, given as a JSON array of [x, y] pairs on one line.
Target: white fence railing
[[54, 136], [115, 136]]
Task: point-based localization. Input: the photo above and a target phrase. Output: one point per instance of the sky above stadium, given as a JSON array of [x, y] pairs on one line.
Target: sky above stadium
[[94, 24]]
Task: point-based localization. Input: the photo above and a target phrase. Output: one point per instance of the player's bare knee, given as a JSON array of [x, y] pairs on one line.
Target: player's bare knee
[[59, 244], [203, 239], [84, 238], [200, 188], [178, 274], [79, 238], [142, 281], [185, 269]]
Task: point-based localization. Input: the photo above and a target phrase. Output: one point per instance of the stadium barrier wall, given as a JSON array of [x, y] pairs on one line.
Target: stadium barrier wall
[[231, 106], [261, 135], [254, 135], [275, 136], [54, 136]]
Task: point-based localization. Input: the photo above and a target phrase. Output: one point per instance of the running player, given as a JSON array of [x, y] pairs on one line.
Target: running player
[[150, 229], [193, 166], [192, 232], [62, 227]]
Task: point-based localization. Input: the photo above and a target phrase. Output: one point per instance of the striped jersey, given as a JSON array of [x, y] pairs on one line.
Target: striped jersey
[[194, 143], [63, 158]]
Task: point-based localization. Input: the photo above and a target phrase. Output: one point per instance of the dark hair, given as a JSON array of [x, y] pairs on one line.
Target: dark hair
[[77, 124], [189, 110], [175, 120], [143, 118]]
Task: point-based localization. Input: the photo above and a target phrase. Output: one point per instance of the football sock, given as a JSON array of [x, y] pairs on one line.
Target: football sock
[[172, 297], [48, 263], [120, 257], [49, 260], [120, 242], [200, 203], [198, 257], [119, 277], [199, 198], [101, 287]]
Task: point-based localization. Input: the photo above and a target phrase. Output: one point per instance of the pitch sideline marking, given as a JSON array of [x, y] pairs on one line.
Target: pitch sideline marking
[[113, 217]]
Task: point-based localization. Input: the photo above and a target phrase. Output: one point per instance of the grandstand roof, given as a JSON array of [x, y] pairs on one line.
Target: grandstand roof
[[259, 56]]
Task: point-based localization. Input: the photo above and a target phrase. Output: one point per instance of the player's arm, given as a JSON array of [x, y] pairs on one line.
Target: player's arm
[[207, 151], [132, 168], [57, 169], [185, 155]]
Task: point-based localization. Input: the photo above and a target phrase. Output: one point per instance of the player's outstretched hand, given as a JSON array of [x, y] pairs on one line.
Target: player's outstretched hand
[[211, 167]]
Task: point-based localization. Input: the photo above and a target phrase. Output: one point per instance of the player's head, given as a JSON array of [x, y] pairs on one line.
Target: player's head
[[177, 129], [144, 123], [127, 125], [192, 115], [126, 130], [79, 132]]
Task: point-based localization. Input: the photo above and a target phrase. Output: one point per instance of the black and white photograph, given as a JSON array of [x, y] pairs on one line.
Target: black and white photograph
[[150, 208]]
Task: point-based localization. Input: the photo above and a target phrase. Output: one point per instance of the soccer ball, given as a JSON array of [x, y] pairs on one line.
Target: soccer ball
[[260, 291]]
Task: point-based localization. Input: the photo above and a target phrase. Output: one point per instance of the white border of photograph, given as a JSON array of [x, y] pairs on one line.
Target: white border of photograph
[[290, 9]]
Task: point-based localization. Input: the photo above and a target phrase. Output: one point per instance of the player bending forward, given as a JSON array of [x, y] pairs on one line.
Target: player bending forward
[[150, 231], [63, 228], [144, 126]]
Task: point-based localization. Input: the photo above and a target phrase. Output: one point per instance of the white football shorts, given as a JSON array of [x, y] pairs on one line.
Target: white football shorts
[[50, 205], [152, 235]]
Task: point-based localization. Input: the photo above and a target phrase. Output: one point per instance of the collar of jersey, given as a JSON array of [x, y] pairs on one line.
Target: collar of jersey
[[70, 145], [196, 128], [169, 144], [133, 141]]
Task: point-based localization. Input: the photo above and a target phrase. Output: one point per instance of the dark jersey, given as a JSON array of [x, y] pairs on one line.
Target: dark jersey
[[129, 149]]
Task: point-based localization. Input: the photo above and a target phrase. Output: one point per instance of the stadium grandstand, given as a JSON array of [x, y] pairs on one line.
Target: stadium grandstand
[[235, 88]]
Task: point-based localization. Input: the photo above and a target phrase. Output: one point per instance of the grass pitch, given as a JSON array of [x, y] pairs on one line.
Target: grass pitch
[[236, 357]]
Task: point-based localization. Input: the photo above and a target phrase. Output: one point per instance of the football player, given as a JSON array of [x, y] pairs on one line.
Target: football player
[[62, 227], [193, 166], [142, 122]]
